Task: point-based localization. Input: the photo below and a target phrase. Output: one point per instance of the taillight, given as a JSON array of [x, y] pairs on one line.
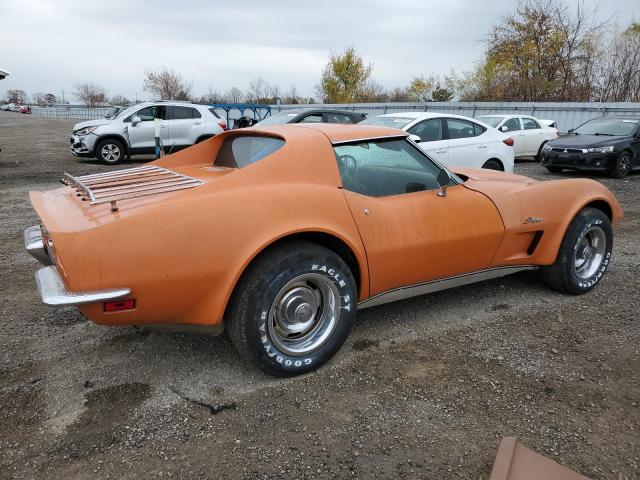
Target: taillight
[[557, 133], [223, 125], [119, 305], [508, 141]]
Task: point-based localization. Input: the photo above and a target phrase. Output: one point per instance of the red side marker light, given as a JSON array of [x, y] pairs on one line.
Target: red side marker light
[[120, 305], [508, 141]]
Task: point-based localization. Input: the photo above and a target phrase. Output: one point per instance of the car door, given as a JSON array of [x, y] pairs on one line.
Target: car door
[[410, 233], [142, 135], [533, 135], [186, 125], [513, 128], [432, 142], [467, 148]]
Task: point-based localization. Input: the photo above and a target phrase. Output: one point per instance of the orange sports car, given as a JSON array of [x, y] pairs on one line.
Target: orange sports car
[[279, 234]]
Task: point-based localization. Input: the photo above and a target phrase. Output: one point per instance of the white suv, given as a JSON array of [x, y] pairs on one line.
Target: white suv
[[132, 131]]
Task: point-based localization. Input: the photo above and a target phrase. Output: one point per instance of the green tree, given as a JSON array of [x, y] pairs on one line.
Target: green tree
[[345, 78]]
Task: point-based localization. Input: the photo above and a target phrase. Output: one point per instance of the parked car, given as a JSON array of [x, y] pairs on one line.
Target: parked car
[[312, 115], [132, 131], [285, 231], [24, 109], [605, 144], [7, 107], [529, 134], [453, 140]]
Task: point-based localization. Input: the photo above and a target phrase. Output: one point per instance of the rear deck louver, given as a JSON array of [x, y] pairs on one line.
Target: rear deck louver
[[112, 187]]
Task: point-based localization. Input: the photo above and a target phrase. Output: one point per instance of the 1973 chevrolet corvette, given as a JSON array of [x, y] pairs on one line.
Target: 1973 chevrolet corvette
[[279, 234]]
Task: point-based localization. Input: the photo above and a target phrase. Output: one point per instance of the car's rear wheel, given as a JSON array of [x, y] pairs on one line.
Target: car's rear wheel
[[493, 165], [293, 309], [584, 254], [110, 151], [622, 166], [554, 169]]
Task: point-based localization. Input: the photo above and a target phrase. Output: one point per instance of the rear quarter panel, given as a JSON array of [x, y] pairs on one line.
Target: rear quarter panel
[[183, 255]]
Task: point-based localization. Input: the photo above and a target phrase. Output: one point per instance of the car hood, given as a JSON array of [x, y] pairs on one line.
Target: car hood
[[90, 123], [584, 141]]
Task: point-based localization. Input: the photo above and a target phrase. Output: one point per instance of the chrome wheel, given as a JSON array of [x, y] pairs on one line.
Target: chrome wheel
[[589, 252], [303, 314], [110, 152]]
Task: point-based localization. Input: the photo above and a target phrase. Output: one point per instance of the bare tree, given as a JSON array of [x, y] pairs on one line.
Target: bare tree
[[50, 99], [291, 97], [234, 95], [166, 84], [621, 82], [257, 90], [15, 95], [120, 100], [90, 93], [212, 96], [37, 98]]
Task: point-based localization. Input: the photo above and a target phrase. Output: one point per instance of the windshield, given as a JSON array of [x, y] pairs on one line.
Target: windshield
[[126, 111], [279, 118], [492, 121], [393, 122], [607, 126]]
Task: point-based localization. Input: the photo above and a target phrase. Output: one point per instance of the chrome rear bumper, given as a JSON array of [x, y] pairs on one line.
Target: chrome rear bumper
[[50, 284], [34, 244], [54, 293]]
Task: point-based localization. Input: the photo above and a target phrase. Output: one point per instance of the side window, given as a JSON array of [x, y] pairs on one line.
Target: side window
[[460, 128], [240, 151], [530, 124], [338, 118], [385, 167], [512, 124], [147, 114], [478, 129], [311, 119], [428, 130], [175, 112]]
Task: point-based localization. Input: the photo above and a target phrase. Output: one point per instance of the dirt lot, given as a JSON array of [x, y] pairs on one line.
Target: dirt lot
[[424, 388]]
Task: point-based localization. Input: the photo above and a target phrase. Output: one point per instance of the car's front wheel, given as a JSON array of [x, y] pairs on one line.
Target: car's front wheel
[[584, 254], [293, 309], [110, 151], [622, 166]]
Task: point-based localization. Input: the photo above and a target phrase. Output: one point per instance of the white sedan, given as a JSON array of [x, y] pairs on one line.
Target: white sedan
[[453, 140], [529, 133]]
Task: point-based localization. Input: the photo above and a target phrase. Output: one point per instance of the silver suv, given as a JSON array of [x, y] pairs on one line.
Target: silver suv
[[132, 131]]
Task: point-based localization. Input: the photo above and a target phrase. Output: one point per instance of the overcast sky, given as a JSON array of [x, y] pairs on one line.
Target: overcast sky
[[48, 45]]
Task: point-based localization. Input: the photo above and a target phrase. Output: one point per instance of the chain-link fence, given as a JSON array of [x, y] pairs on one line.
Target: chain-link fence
[[69, 111]]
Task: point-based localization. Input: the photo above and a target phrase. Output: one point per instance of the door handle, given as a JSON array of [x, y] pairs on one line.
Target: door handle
[[444, 150], [163, 126], [197, 123], [482, 146]]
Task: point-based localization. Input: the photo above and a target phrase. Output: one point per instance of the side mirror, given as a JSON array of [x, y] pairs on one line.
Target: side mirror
[[504, 128], [415, 138], [571, 130], [135, 120], [443, 181]]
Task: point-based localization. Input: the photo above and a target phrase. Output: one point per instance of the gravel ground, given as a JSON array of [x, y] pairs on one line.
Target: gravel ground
[[424, 388]]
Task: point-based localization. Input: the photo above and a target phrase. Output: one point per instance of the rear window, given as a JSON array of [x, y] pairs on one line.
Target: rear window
[[238, 152], [215, 114]]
